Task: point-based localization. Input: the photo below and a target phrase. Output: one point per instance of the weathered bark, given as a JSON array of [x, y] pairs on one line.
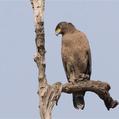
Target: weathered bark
[[49, 94]]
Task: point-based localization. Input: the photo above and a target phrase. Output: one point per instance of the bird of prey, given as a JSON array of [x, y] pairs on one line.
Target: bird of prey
[[76, 57]]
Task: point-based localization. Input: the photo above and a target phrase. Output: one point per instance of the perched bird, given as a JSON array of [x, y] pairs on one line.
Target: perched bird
[[76, 57]]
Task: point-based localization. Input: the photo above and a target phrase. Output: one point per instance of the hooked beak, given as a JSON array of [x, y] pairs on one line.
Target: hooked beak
[[57, 34]]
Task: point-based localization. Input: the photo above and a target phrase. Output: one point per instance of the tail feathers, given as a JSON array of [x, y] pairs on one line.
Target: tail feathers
[[78, 100]]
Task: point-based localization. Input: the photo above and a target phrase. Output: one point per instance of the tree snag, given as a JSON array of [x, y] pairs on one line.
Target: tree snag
[[49, 94]]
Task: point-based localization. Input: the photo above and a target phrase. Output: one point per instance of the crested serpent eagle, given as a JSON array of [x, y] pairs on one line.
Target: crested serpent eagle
[[76, 57]]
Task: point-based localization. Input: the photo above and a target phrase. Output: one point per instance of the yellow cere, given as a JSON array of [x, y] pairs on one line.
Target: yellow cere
[[58, 30]]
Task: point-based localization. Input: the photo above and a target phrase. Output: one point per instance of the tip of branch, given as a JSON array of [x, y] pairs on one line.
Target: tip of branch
[[113, 104], [108, 87]]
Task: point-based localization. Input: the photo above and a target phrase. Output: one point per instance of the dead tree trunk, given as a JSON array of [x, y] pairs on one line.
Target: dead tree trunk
[[49, 95]]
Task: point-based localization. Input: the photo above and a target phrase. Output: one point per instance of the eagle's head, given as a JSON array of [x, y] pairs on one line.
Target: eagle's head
[[64, 27]]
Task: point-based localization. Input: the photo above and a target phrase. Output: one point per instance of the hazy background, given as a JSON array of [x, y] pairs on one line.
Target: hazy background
[[99, 19]]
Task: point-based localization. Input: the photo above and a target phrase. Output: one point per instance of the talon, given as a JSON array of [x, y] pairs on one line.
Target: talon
[[83, 76]]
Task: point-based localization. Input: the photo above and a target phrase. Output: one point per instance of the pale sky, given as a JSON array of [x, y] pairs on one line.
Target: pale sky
[[99, 19]]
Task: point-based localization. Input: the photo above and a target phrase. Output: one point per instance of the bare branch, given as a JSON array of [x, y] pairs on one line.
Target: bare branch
[[98, 87]]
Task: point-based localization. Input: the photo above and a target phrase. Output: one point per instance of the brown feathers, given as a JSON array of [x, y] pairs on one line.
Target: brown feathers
[[76, 57]]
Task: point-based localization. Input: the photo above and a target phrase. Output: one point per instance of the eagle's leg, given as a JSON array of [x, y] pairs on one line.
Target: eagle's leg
[[72, 78], [84, 76], [70, 73]]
